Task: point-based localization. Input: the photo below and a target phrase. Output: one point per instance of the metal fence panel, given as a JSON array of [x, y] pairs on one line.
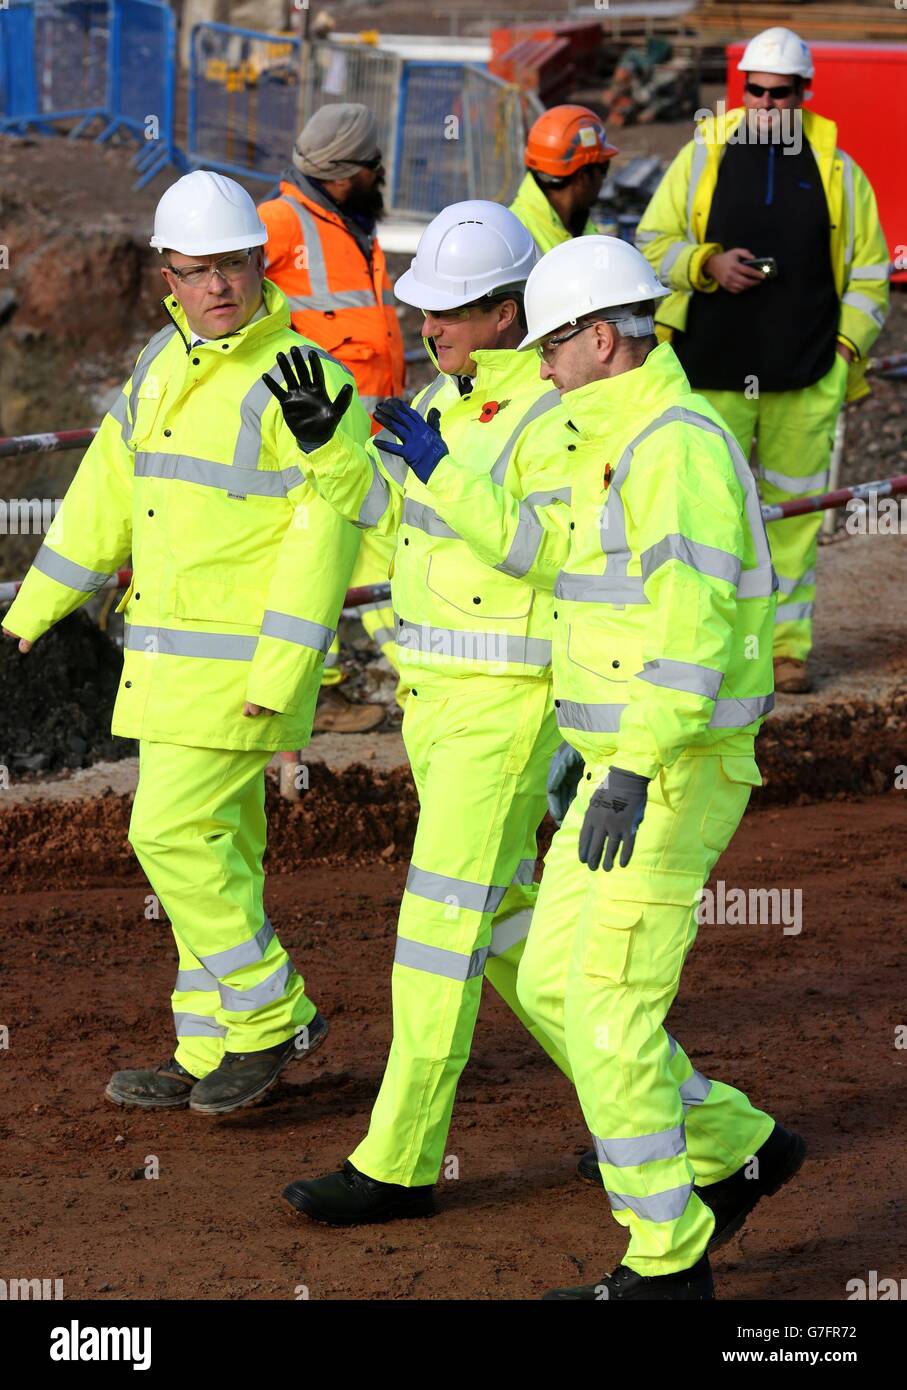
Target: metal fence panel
[[447, 131], [85, 60], [431, 140], [243, 100], [70, 57], [494, 113], [337, 72], [142, 62], [460, 135]]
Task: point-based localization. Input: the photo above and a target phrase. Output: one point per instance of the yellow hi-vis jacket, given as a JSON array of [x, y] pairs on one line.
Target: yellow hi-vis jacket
[[454, 615], [663, 583], [239, 568], [672, 232], [538, 216]]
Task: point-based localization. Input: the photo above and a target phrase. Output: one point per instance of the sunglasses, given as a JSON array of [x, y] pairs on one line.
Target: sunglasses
[[374, 163], [776, 93]]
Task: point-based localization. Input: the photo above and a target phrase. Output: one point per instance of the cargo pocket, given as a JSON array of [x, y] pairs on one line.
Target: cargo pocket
[[609, 938], [729, 801]]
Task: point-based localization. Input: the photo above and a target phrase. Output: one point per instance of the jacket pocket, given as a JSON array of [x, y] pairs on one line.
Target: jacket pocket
[[599, 654], [222, 602], [483, 596]]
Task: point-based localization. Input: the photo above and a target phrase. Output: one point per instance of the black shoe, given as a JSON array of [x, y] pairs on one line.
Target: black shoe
[[244, 1077], [166, 1087], [625, 1285], [589, 1170], [350, 1198], [733, 1198]]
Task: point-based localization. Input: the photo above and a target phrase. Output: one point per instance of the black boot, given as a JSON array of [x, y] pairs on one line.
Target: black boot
[[625, 1286], [733, 1198], [166, 1087], [350, 1198], [244, 1077], [589, 1170]]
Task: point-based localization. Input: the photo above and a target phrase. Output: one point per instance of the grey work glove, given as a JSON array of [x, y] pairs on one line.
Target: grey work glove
[[307, 408], [564, 773], [612, 819]]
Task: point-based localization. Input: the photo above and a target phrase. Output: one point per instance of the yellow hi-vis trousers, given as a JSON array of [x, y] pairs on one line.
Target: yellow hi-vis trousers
[[480, 755], [599, 974], [199, 829], [793, 432]]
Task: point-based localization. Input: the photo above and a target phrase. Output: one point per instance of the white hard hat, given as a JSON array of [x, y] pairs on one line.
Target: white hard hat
[[470, 249], [584, 275], [777, 50], [204, 212]]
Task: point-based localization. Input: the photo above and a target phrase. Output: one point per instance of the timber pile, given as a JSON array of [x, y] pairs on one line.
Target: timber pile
[[728, 21]]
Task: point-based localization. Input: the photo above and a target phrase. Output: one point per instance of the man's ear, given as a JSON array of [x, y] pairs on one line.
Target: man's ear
[[508, 313]]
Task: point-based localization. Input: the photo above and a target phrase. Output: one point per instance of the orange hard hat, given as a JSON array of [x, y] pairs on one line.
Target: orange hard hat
[[565, 138]]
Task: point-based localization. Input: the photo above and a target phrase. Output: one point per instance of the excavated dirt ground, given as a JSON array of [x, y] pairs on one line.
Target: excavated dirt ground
[[805, 1023]]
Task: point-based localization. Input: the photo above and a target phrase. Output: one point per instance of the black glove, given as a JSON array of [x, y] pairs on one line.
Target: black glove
[[420, 444], [307, 408], [613, 818]]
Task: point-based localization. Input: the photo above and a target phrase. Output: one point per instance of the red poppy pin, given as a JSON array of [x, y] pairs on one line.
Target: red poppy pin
[[490, 410]]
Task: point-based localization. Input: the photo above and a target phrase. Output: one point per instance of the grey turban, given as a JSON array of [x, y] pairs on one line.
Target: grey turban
[[335, 137]]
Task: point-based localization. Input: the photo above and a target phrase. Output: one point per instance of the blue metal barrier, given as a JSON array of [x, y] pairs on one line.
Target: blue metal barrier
[[85, 61], [243, 100], [429, 170]]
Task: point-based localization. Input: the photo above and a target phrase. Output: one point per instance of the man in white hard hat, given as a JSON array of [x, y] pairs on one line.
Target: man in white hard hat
[[664, 605], [769, 237], [239, 573], [474, 645]]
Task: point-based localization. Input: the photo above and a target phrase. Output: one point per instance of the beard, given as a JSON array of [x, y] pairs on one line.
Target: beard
[[366, 202]]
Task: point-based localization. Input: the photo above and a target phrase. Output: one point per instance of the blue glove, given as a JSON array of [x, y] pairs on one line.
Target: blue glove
[[421, 445], [564, 772]]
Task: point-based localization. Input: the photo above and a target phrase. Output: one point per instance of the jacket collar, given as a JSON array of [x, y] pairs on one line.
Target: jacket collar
[[276, 316], [498, 370], [820, 132], [615, 403], [538, 205]]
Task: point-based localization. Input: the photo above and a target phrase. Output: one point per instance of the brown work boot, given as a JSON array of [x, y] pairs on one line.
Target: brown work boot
[[243, 1078], [338, 715], [166, 1087], [791, 676]]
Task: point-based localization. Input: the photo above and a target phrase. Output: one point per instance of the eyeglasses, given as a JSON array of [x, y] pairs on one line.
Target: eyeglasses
[[230, 268], [448, 315], [545, 350], [776, 93], [374, 163]]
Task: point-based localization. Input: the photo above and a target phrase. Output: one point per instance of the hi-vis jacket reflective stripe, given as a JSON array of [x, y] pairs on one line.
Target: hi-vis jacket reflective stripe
[[672, 232], [664, 588], [240, 569], [338, 298], [538, 216], [455, 615]]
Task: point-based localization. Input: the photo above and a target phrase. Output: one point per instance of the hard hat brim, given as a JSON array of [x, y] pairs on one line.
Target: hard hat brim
[[188, 247], [532, 339], [409, 290]]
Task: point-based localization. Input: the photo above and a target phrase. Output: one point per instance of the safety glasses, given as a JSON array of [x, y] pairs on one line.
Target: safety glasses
[[547, 349], [230, 268], [776, 93]]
